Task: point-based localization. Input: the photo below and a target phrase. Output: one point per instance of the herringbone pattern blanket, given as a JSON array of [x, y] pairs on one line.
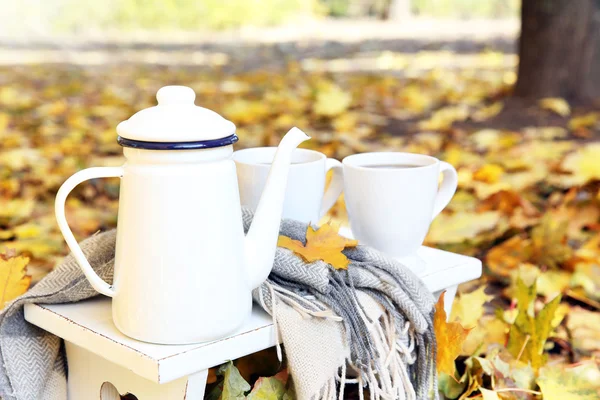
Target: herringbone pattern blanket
[[370, 325]]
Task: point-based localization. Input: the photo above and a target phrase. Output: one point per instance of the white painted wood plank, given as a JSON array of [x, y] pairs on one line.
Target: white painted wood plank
[[445, 269], [89, 324]]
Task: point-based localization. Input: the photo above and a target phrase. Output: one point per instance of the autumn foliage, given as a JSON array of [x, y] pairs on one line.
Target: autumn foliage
[[528, 202]]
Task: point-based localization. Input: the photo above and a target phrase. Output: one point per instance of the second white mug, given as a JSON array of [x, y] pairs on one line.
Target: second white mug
[[305, 198], [392, 198]]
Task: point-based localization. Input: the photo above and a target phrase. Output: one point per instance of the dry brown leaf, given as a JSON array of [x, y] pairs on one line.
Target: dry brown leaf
[[507, 256], [322, 244]]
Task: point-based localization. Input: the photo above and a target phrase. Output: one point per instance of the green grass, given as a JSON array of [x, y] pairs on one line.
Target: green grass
[[74, 16], [187, 15], [467, 8]]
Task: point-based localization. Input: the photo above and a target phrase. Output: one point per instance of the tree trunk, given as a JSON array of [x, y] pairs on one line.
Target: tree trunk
[[559, 49]]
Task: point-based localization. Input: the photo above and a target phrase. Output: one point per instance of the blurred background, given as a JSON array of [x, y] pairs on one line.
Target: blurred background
[[505, 90]]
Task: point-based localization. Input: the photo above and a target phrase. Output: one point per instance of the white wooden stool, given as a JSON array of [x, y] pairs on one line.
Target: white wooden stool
[[98, 353]]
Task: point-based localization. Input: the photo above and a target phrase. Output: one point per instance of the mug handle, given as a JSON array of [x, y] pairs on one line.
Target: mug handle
[[59, 209], [335, 186], [447, 188]]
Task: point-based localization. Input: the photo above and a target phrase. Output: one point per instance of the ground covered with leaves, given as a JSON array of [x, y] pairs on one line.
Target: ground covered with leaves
[[528, 202]]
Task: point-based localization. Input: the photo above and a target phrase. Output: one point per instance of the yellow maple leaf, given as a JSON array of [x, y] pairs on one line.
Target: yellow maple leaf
[[552, 282], [583, 330], [13, 279], [489, 331], [545, 132], [246, 111], [489, 394], [322, 244], [444, 118], [549, 241], [462, 225], [558, 383], [583, 164], [332, 100], [556, 105], [4, 121], [468, 307], [584, 121], [16, 209], [486, 139], [529, 332], [450, 337], [485, 113], [587, 269], [489, 173]]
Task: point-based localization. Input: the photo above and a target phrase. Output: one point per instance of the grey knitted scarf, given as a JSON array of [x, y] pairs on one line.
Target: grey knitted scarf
[[370, 325]]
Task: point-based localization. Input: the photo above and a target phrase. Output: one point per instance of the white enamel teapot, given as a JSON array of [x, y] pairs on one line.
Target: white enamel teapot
[[184, 270]]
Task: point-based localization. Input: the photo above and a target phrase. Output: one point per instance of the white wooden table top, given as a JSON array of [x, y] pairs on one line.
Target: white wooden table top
[[88, 324]]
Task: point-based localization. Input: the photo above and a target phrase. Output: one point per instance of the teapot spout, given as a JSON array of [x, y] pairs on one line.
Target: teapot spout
[[261, 241]]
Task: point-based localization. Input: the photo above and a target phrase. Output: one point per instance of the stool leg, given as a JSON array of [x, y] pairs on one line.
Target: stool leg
[[196, 385], [92, 377]]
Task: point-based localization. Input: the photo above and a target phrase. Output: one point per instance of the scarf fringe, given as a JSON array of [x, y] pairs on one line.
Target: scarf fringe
[[394, 345]]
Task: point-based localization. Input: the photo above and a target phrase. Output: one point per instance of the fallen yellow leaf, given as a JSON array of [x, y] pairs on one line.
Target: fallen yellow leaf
[[556, 105], [558, 383], [4, 121], [468, 307], [245, 111], [444, 118], [489, 331], [551, 282], [489, 394], [461, 225], [489, 173], [486, 139], [322, 244], [583, 163], [583, 327], [13, 279], [450, 337], [529, 332], [485, 113], [584, 121], [545, 132], [549, 241], [331, 100]]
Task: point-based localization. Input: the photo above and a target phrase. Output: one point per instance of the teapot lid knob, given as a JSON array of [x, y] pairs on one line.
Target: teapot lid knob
[[175, 95], [176, 123]]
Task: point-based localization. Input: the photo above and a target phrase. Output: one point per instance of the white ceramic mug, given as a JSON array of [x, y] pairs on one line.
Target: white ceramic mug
[[305, 198], [392, 198]]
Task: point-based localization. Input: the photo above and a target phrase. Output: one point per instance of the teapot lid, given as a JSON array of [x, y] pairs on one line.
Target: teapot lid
[[176, 123]]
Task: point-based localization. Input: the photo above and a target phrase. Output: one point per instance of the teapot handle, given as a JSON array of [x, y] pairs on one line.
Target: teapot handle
[[59, 209]]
